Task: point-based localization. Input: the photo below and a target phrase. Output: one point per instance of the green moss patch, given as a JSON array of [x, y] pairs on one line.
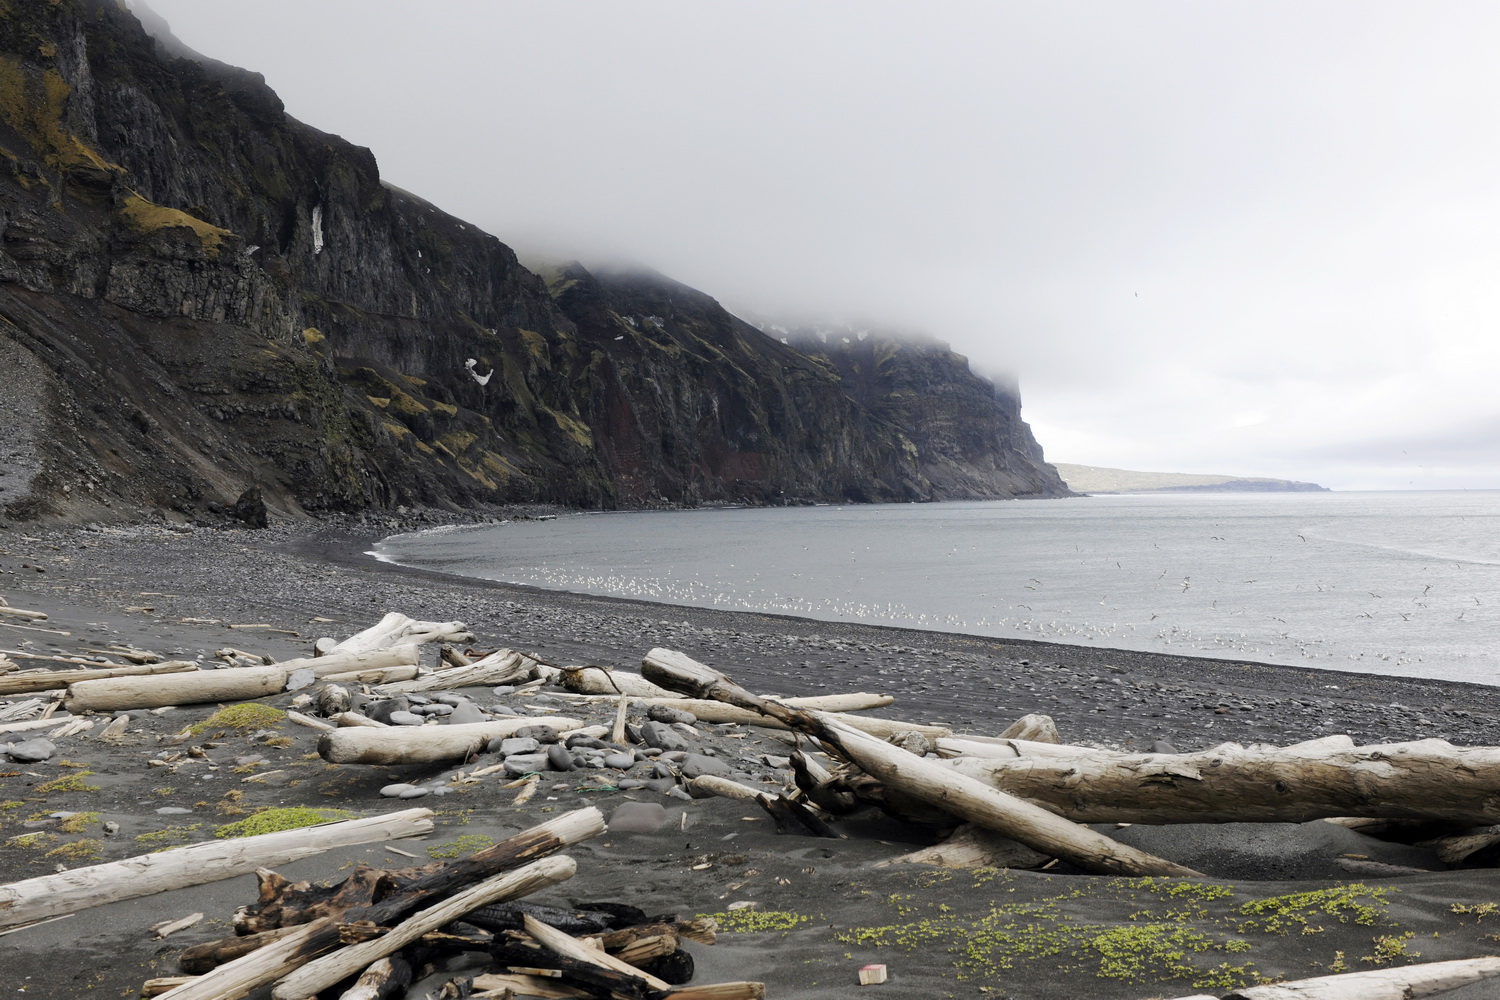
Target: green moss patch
[[274, 820], [148, 217], [246, 715], [461, 847]]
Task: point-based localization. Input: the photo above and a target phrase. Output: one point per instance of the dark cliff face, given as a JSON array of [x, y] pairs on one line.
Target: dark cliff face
[[968, 433], [199, 294]]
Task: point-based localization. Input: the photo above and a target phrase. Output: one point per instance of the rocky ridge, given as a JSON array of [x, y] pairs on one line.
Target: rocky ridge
[[202, 295]]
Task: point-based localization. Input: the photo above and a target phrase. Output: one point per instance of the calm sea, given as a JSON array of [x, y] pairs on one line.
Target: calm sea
[[1404, 583]]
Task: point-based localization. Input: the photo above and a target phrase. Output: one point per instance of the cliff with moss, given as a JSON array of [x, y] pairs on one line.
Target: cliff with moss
[[199, 294]]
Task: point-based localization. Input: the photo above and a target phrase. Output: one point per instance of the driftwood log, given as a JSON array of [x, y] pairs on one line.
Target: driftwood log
[[1424, 779], [324, 972], [26, 681], [65, 892], [503, 667], [396, 629], [425, 744], [1408, 982], [386, 979], [790, 817], [195, 687], [930, 781], [280, 958]]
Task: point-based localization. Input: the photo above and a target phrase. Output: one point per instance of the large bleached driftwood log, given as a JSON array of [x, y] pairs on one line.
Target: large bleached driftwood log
[[395, 629], [505, 666], [25, 681], [927, 780], [425, 744], [65, 892], [607, 681], [1425, 779], [322, 973], [1409, 982], [351, 661], [280, 958], [196, 687]]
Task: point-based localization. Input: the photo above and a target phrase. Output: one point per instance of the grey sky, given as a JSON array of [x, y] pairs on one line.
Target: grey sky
[[1251, 238]]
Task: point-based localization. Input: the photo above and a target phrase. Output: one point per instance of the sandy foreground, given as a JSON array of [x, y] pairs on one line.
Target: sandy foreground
[[1276, 905]]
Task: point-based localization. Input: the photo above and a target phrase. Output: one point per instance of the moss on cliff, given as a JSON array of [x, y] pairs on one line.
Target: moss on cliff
[[33, 101], [148, 217]]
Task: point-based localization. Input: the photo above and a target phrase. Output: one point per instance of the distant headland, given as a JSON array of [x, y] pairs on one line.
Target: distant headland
[[1092, 479]]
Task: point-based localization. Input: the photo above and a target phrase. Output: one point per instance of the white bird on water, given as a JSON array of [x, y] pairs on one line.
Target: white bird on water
[[484, 379]]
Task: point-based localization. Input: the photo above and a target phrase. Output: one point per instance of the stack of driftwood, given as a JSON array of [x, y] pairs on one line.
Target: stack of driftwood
[[381, 925], [1021, 799]]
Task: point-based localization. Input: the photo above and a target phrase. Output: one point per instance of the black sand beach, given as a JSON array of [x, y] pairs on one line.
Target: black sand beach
[[825, 908]]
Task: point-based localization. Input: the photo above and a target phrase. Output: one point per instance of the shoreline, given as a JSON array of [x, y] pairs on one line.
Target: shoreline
[[830, 908]]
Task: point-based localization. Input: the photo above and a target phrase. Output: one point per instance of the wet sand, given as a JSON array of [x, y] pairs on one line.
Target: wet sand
[[1016, 934]]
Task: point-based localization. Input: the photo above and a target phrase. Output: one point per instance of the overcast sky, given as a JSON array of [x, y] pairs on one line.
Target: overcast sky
[[1250, 238]]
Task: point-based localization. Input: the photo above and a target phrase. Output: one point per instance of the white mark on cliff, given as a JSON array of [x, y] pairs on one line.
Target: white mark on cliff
[[317, 229], [481, 379]]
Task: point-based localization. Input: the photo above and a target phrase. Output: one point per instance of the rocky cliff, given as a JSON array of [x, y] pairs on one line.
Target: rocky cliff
[[199, 294]]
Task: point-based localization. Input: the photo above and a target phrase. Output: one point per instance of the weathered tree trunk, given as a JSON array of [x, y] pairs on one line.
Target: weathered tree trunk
[[115, 694], [350, 661], [49, 895], [929, 781], [383, 675], [1425, 779], [386, 979], [1409, 982], [26, 681], [237, 978], [396, 628], [324, 972], [425, 744], [1036, 728], [815, 782], [972, 846], [790, 816], [503, 667], [607, 681], [209, 955]]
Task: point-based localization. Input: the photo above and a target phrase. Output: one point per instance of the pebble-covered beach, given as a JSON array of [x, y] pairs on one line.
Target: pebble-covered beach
[[827, 909]]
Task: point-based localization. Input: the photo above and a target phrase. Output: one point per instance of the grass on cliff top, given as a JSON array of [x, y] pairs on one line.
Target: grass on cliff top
[[148, 217]]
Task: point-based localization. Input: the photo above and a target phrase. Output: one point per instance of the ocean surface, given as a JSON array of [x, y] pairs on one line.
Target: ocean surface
[[1403, 583]]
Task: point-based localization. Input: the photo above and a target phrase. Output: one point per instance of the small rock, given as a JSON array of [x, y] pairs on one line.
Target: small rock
[[697, 765], [542, 734], [397, 790], [559, 758], [620, 761], [638, 817], [676, 792], [173, 811], [504, 710], [31, 751], [1162, 746], [466, 713], [405, 719], [526, 763], [654, 734], [519, 744], [381, 711], [110, 828], [415, 792], [630, 784]]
